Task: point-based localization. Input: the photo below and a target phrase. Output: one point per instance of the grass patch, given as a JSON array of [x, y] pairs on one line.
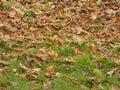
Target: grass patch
[[29, 14]]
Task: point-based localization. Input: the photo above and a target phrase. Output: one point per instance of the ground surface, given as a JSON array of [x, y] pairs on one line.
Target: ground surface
[[59, 45]]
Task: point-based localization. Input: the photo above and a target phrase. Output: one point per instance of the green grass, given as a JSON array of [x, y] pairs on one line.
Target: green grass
[[83, 64], [6, 6], [4, 46], [29, 14]]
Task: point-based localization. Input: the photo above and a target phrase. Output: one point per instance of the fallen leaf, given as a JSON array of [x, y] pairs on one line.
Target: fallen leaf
[[50, 71], [3, 12], [32, 77], [36, 86], [114, 72], [93, 48], [57, 40], [4, 62], [70, 60], [52, 54], [57, 74], [23, 66], [47, 85], [37, 62], [12, 14], [77, 39], [36, 70], [78, 52], [42, 56], [74, 80], [4, 70], [3, 87]]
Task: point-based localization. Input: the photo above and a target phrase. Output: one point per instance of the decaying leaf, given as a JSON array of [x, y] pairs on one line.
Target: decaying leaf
[[32, 77], [78, 52], [3, 87], [57, 74], [57, 40], [4, 70], [37, 62], [47, 85], [42, 56], [93, 48], [74, 80], [70, 60], [77, 39], [50, 71], [52, 54], [114, 72], [4, 62], [36, 70], [12, 14], [23, 66]]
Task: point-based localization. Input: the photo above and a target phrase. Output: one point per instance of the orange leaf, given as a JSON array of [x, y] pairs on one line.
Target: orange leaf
[[52, 54], [93, 48], [50, 71]]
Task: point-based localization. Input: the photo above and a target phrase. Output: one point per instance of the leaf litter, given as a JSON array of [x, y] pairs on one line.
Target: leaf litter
[[45, 24]]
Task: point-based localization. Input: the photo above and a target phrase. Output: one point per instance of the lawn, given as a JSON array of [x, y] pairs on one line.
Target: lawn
[[59, 45]]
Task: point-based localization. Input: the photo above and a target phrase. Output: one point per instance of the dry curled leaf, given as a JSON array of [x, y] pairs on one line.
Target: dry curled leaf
[[77, 39], [3, 87], [114, 72], [93, 48], [4, 70], [52, 54], [78, 52], [57, 40], [4, 62], [47, 85], [23, 66], [57, 74], [42, 56], [50, 71], [70, 60], [32, 77], [37, 62], [12, 14], [36, 70]]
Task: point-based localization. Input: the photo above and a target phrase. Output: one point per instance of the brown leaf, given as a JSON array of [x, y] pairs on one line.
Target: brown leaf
[[37, 62], [57, 40], [93, 48], [4, 62], [3, 87], [12, 14], [4, 70], [32, 77], [36, 86], [52, 54], [3, 12], [50, 71], [78, 52], [36, 70], [23, 66], [114, 72], [74, 80], [47, 85], [42, 56], [78, 39]]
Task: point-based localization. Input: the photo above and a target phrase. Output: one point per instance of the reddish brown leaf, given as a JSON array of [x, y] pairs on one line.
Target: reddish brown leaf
[[50, 71]]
